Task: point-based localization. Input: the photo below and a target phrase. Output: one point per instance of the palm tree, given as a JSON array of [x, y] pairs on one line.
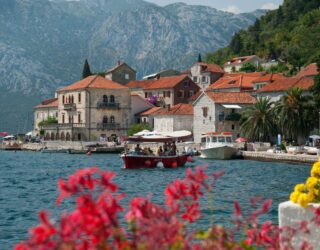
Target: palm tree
[[295, 114], [257, 121]]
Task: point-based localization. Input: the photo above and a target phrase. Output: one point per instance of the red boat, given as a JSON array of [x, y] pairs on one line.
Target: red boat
[[134, 160]]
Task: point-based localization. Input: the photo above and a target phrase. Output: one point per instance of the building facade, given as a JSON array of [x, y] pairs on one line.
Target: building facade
[[235, 64], [90, 109], [219, 112], [122, 73], [204, 74]]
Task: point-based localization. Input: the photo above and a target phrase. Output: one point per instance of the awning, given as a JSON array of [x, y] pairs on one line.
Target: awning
[[229, 106]]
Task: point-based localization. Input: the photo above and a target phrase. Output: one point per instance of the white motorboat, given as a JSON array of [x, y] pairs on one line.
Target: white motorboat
[[218, 146]]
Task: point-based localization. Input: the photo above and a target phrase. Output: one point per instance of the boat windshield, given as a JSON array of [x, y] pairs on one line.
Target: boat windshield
[[213, 139], [228, 139], [221, 139]]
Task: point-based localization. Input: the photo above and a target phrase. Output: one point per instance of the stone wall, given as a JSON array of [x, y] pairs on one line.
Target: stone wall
[[164, 123]]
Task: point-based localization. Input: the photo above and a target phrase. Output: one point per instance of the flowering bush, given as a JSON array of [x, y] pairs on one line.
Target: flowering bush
[[95, 224], [310, 191]]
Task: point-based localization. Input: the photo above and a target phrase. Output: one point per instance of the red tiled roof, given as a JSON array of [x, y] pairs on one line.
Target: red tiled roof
[[49, 103], [235, 61], [286, 83], [268, 78], [244, 81], [310, 70], [96, 82], [210, 67], [231, 97], [150, 111], [179, 109], [161, 83]]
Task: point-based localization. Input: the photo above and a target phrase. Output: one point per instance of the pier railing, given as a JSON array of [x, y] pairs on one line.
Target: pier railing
[[108, 126], [64, 126], [106, 105], [69, 106]]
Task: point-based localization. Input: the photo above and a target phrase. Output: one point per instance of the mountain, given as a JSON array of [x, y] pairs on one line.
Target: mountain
[[290, 34], [43, 43]]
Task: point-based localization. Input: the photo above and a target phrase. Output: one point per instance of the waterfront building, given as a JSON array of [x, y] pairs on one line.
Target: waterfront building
[[178, 117], [204, 74], [276, 89], [219, 112], [138, 106], [235, 64], [121, 73], [236, 82], [148, 116], [42, 112], [165, 91], [91, 108]]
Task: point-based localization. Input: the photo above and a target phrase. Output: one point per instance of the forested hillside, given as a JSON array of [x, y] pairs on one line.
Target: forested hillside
[[290, 34]]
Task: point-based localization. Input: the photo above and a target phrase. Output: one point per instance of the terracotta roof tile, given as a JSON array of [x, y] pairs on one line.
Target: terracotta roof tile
[[310, 70], [49, 103], [243, 81], [150, 111], [161, 83], [283, 84], [235, 60], [231, 97], [94, 81], [210, 67], [268, 78], [179, 109]]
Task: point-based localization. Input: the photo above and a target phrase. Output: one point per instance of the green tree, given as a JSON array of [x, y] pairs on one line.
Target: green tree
[[257, 121], [295, 114], [86, 69], [135, 128], [50, 120], [248, 67], [199, 58]]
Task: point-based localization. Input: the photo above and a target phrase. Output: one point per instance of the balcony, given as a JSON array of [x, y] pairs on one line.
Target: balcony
[[110, 126], [69, 106], [60, 126], [108, 105]]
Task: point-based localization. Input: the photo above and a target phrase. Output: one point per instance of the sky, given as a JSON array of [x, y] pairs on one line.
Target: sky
[[235, 6]]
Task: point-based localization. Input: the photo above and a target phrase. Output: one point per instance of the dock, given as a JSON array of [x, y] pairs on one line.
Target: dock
[[283, 157]]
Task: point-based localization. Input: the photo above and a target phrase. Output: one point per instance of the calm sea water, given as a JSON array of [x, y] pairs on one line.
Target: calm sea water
[[28, 183]]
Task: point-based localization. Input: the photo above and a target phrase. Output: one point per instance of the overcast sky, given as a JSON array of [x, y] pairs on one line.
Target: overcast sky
[[235, 6]]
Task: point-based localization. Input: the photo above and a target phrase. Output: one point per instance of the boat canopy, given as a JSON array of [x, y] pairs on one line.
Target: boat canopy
[[182, 135]]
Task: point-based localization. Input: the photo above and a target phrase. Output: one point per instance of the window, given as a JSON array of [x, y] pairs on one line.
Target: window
[[146, 95], [191, 93], [112, 100], [181, 93], [105, 99], [112, 119], [205, 111], [228, 139], [232, 126], [79, 118], [105, 120], [168, 94], [221, 116], [72, 99], [214, 139], [221, 139], [56, 114], [63, 118], [63, 99], [164, 93], [204, 79], [145, 120], [126, 76], [195, 79], [79, 97], [233, 111], [186, 84]]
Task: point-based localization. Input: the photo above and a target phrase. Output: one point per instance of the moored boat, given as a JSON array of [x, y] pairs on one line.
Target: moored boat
[[218, 146], [170, 159]]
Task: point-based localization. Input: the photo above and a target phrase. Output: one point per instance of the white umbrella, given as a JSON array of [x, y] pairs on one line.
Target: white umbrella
[[29, 133], [314, 137]]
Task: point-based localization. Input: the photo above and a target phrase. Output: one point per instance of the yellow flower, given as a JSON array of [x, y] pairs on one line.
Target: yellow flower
[[315, 171], [294, 197], [310, 197], [300, 188], [303, 200], [311, 183]]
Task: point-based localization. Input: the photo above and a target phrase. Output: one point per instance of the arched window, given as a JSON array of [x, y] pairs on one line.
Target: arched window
[[105, 119], [112, 98], [112, 119], [63, 99], [105, 99], [72, 99]]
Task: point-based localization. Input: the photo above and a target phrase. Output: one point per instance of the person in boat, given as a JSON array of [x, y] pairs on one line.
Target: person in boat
[[137, 149], [160, 151], [173, 150], [165, 148]]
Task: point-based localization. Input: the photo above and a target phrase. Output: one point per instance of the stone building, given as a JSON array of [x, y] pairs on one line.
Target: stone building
[[219, 112], [166, 91], [204, 74], [148, 116], [121, 73], [235, 64], [47, 108], [138, 106], [90, 109], [178, 117]]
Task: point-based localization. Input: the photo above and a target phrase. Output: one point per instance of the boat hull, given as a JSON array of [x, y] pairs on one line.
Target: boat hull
[[147, 161], [219, 153]]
